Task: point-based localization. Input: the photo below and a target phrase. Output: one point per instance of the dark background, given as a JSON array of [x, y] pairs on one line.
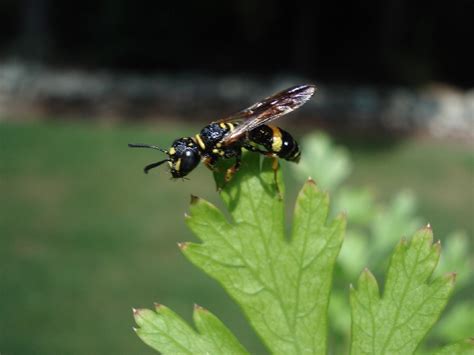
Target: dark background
[[381, 42]]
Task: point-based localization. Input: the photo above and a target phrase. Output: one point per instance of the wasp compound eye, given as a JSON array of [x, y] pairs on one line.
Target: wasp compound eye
[[184, 156]]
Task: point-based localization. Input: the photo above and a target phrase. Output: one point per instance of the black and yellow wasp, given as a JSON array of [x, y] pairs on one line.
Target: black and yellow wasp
[[225, 138]]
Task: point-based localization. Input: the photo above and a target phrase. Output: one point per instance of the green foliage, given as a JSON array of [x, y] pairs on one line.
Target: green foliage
[[381, 228], [459, 320], [84, 221], [398, 321], [457, 323], [283, 283], [326, 164], [456, 256], [464, 347], [165, 331], [373, 228]]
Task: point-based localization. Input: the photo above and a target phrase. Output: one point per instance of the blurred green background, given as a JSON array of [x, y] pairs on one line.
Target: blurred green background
[[85, 235]]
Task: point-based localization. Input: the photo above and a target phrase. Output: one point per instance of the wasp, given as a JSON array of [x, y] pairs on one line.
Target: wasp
[[247, 129]]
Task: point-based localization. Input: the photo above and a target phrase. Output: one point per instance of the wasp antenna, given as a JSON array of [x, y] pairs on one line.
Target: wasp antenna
[[154, 165], [141, 145]]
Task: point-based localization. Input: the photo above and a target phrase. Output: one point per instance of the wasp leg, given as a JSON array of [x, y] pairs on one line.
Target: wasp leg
[[275, 163], [255, 149], [267, 154], [210, 162], [275, 166], [234, 168]]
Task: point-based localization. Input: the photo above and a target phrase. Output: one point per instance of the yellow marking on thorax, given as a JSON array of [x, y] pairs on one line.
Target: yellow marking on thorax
[[231, 126], [218, 151], [172, 151], [277, 141], [200, 142], [222, 124]]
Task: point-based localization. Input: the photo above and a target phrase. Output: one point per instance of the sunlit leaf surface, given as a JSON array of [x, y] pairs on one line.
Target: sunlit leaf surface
[[396, 322], [281, 282], [166, 332]]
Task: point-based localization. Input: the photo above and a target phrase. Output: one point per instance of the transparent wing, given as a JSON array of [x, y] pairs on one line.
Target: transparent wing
[[267, 110]]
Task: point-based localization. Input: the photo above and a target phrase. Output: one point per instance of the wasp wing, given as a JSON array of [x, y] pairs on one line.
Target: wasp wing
[[267, 110]]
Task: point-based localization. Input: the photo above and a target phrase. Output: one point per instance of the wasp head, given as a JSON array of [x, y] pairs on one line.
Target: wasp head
[[184, 156]]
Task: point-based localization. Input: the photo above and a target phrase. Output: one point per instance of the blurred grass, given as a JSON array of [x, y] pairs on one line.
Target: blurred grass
[[85, 235], [440, 173]]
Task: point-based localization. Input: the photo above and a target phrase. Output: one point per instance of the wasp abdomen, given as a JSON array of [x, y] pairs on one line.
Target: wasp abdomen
[[276, 141]]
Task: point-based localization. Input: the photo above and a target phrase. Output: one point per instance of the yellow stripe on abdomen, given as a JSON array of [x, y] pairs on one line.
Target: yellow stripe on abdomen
[[277, 141]]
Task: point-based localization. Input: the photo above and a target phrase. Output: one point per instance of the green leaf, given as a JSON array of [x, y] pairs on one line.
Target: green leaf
[[397, 219], [166, 332], [358, 203], [465, 347], [282, 284], [327, 164], [398, 321]]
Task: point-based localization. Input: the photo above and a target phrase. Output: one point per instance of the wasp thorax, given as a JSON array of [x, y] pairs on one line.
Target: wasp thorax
[[184, 156]]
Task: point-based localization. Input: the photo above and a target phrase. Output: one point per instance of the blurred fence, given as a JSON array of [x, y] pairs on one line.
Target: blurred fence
[[27, 91]]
